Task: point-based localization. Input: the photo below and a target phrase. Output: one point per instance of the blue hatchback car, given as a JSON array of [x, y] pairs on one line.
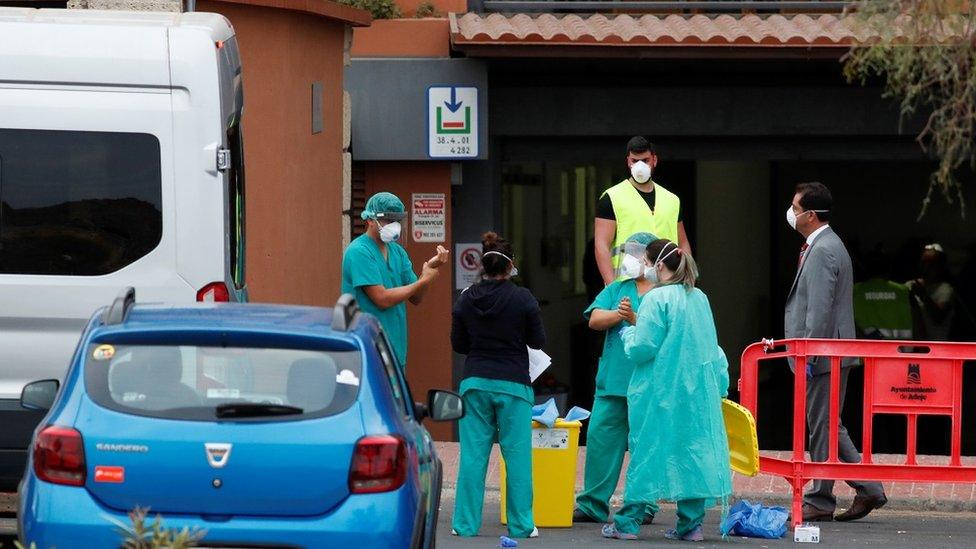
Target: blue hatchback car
[[265, 425]]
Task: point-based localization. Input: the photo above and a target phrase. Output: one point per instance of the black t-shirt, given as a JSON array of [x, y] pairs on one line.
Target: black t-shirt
[[604, 207]]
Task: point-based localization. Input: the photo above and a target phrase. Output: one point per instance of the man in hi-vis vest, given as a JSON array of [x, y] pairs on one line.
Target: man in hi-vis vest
[[635, 205]]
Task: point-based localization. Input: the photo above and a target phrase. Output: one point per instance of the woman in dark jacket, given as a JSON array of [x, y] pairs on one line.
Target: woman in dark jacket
[[493, 323]]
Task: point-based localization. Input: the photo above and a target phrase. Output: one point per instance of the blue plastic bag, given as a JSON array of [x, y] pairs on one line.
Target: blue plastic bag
[[505, 541], [546, 413], [755, 520]]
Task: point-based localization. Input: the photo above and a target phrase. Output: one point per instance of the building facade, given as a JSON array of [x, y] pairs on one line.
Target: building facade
[[742, 107]]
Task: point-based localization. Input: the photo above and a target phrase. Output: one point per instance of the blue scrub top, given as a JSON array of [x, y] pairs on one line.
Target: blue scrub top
[[363, 265]]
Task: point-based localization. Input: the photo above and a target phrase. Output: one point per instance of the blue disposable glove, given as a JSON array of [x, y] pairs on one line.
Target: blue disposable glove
[[809, 369]]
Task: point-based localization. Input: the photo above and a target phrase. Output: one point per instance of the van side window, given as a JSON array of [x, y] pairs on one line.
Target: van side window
[[392, 372], [77, 203], [235, 193]]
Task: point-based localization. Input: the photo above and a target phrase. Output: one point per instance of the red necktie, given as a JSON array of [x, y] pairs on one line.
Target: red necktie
[[803, 249]]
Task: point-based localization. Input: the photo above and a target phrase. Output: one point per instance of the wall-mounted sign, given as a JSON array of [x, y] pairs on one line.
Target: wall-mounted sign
[[427, 216], [452, 122], [467, 266]]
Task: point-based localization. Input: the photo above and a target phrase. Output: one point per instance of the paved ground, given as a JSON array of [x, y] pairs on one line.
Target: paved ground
[[902, 496], [891, 529]]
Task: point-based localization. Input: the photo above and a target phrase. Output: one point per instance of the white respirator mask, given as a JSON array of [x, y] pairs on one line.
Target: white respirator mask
[[641, 172], [390, 232], [630, 266]]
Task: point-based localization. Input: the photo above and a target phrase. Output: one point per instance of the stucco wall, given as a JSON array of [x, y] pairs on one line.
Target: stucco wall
[[294, 177]]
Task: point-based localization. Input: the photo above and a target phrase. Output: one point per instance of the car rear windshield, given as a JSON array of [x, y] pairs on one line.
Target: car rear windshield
[[222, 383]]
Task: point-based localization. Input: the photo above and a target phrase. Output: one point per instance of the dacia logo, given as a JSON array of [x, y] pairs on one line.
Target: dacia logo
[[217, 453]]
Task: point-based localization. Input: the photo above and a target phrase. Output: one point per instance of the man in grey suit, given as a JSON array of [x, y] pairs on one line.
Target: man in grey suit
[[820, 305]]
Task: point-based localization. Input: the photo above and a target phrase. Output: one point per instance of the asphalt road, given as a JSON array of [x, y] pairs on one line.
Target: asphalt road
[[892, 530], [888, 529]]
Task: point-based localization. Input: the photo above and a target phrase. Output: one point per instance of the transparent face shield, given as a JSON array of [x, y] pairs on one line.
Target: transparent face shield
[[630, 259], [390, 217]]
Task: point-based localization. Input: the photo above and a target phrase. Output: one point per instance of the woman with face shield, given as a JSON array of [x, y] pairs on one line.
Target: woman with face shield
[[606, 439], [678, 444]]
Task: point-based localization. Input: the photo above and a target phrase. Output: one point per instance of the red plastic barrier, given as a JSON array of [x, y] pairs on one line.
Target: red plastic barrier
[[910, 378]]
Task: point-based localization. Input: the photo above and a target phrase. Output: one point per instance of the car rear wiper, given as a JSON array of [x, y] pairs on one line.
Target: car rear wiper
[[255, 409]]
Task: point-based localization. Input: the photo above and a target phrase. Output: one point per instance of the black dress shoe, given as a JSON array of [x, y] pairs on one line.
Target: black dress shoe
[[648, 519], [580, 516], [861, 507], [812, 514]]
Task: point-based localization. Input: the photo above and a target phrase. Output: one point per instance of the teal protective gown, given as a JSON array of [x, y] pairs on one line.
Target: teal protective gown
[[678, 445]]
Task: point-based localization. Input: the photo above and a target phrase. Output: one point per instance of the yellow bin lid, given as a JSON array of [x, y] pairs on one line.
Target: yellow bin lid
[[740, 427], [559, 424]]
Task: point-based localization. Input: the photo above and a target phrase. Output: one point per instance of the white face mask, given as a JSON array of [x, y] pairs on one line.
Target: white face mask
[[641, 172], [390, 232], [791, 216], [650, 274], [630, 266]]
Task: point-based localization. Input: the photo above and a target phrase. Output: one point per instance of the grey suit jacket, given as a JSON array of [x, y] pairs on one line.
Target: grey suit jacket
[[820, 303]]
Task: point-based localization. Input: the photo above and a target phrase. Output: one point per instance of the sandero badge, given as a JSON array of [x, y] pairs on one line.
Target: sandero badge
[[217, 453]]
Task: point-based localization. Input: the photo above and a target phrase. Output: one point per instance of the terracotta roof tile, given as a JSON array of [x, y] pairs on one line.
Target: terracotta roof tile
[[799, 30]]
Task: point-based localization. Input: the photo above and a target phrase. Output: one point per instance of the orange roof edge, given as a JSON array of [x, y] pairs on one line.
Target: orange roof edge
[[324, 8], [697, 31]]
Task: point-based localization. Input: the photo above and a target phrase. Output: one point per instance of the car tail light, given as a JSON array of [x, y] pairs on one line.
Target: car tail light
[[59, 456], [215, 291], [379, 464]]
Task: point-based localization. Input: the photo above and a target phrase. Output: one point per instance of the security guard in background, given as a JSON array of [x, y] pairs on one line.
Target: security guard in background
[[882, 308], [635, 205]]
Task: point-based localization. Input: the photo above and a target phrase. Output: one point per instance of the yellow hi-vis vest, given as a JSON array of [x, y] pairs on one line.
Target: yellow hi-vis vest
[[633, 215]]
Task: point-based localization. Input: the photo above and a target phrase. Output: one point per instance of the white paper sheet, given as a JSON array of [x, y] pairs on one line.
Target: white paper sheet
[[538, 362]]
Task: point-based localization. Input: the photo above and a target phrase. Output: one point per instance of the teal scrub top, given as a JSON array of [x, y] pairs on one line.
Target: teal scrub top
[[615, 369], [363, 265], [511, 388]]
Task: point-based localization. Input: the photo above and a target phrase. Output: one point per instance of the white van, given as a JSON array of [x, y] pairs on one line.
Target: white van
[[121, 164]]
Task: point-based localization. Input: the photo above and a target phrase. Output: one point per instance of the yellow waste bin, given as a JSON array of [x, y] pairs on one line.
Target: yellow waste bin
[[554, 454]]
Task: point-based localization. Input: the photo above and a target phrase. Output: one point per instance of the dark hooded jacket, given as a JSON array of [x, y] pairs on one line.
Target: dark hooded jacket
[[493, 321]]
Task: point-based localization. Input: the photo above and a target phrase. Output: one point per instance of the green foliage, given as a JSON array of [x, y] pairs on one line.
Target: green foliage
[[380, 9], [426, 9], [925, 50], [153, 535]]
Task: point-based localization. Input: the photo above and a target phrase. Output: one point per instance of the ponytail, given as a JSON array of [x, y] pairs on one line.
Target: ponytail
[[687, 271]]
